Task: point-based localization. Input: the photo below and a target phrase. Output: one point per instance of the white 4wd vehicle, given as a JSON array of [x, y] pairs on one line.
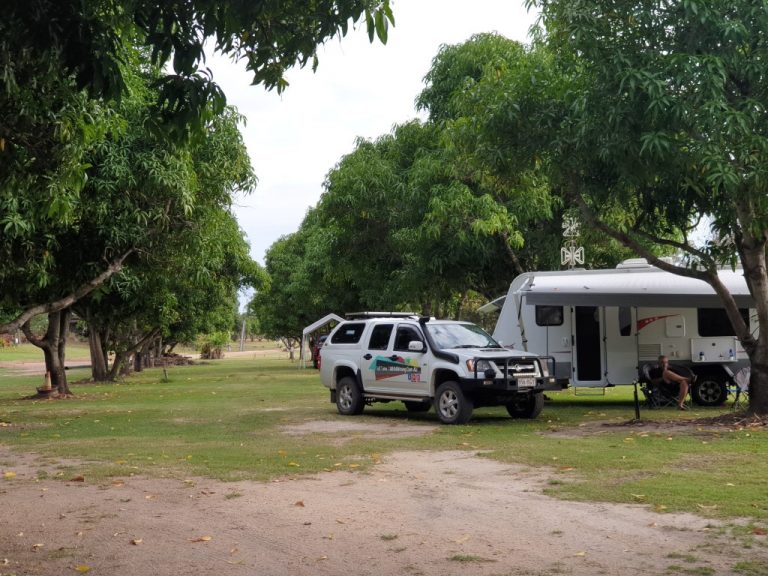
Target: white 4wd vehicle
[[384, 357]]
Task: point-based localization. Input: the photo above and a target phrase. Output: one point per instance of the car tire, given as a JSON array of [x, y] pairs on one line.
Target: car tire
[[526, 405], [349, 398], [452, 405]]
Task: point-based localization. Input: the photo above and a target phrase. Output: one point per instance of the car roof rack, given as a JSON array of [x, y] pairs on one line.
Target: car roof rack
[[361, 315]]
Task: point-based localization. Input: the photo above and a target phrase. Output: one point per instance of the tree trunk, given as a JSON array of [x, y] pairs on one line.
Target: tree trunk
[[753, 259], [53, 345], [126, 368], [99, 368], [116, 366]]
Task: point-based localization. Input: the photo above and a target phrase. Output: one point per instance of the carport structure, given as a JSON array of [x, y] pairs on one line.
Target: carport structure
[[325, 320]]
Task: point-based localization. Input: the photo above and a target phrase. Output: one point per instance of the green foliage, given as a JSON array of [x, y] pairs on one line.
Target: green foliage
[[194, 259], [79, 82], [87, 45]]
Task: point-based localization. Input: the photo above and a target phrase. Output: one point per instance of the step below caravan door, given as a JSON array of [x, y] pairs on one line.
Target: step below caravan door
[[588, 346]]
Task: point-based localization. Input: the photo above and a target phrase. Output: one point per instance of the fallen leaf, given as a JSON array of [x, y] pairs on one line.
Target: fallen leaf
[[202, 539], [323, 558], [354, 465], [9, 474], [77, 479], [299, 504], [730, 484], [759, 531], [118, 484], [137, 541], [340, 521], [35, 547], [580, 554], [82, 568], [567, 468], [294, 464], [705, 507]]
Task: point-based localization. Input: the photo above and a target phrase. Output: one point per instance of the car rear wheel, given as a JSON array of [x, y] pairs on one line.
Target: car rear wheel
[[349, 398]]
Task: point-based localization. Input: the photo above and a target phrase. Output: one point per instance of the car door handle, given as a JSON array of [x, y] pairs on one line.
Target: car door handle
[[367, 357]]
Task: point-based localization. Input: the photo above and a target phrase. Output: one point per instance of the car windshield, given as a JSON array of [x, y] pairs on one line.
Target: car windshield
[[460, 336]]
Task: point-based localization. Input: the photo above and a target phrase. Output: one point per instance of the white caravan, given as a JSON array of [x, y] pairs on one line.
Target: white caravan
[[601, 326]]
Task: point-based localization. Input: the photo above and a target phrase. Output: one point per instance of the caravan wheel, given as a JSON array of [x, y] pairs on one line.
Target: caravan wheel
[[709, 390]]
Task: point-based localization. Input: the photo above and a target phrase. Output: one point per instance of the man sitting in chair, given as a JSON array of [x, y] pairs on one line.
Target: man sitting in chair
[[671, 378]]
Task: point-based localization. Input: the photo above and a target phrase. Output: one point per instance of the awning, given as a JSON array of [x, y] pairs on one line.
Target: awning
[[493, 305], [645, 288]]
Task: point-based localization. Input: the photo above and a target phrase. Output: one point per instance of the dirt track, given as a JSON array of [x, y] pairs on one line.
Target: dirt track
[[416, 513]]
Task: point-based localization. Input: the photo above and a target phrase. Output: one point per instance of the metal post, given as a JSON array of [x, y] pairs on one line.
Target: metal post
[[637, 402]]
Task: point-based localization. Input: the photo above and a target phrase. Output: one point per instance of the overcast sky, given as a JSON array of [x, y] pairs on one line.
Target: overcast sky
[[359, 89]]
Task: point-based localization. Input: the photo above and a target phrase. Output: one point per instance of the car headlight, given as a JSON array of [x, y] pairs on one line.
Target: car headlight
[[480, 365]]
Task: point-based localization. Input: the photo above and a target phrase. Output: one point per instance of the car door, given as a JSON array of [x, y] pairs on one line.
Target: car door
[[374, 354], [403, 369]]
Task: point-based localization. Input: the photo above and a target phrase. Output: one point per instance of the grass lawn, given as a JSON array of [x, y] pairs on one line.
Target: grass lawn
[[227, 419], [28, 353]]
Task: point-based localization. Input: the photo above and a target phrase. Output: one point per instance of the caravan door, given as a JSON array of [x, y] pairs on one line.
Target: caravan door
[[587, 346], [620, 344]]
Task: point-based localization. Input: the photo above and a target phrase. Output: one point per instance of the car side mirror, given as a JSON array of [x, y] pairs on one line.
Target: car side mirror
[[415, 346]]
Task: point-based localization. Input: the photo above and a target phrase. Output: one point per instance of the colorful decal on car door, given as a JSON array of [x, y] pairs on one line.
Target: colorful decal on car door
[[386, 367]]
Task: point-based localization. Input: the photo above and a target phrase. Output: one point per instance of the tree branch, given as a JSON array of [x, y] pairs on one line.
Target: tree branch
[[708, 275], [641, 250], [115, 266]]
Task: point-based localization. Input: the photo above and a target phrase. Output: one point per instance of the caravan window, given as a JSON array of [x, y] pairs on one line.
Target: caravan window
[[549, 315], [714, 322], [625, 320]]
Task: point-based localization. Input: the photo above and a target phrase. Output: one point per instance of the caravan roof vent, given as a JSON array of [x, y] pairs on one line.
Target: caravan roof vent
[[634, 263]]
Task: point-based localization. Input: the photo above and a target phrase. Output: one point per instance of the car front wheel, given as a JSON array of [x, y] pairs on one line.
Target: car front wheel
[[451, 405]]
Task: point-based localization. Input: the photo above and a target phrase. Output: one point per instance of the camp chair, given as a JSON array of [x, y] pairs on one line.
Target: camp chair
[[659, 394], [741, 388]]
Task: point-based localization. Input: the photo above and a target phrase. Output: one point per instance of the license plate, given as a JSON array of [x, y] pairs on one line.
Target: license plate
[[526, 382]]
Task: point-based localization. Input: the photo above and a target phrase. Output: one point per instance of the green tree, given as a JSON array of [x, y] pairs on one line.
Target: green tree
[[165, 209], [473, 91], [65, 66], [661, 116]]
